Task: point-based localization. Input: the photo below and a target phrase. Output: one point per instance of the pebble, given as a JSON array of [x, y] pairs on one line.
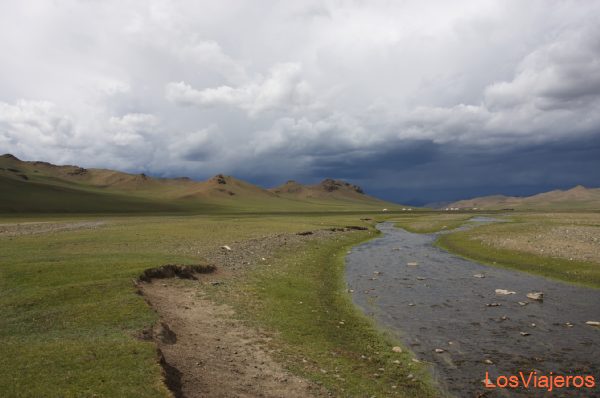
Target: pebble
[[504, 292], [525, 334], [397, 349], [439, 350], [489, 362], [479, 276], [227, 248], [539, 296]]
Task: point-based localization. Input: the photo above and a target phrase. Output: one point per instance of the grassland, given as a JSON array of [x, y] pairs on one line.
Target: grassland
[[485, 244], [71, 315], [431, 222]]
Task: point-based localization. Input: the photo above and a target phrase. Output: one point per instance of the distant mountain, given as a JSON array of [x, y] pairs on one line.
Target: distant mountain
[[578, 197], [325, 190], [30, 186]]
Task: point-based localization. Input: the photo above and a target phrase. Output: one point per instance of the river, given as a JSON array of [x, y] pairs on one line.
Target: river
[[432, 300]]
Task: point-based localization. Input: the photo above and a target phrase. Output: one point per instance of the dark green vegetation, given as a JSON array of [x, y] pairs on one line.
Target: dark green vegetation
[[322, 336], [39, 187], [70, 313]]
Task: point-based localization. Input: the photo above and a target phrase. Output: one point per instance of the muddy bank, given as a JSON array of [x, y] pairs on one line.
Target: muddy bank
[[434, 301], [206, 350]]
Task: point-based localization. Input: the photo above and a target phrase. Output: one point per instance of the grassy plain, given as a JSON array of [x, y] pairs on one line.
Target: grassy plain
[[70, 314]]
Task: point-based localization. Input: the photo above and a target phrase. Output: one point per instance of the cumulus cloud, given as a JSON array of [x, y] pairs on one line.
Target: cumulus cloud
[[32, 127], [306, 89], [283, 89]]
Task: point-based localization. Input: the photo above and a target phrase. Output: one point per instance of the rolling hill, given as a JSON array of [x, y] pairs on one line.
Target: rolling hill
[[41, 187], [578, 197]]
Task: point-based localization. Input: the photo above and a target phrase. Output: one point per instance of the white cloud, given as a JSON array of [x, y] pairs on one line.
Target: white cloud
[[152, 85], [34, 127], [282, 89]]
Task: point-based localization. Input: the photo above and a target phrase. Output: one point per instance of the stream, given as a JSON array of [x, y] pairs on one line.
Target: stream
[[432, 300]]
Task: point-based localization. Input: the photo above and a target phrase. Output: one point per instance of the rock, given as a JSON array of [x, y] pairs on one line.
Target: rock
[[412, 264], [504, 292], [439, 350], [226, 248], [479, 276], [569, 324], [489, 362], [397, 362], [539, 296], [397, 349], [523, 303], [421, 278], [493, 305], [410, 376], [525, 334], [593, 323]]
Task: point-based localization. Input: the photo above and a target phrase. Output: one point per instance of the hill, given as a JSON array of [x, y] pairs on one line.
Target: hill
[[327, 189], [41, 187], [578, 197]]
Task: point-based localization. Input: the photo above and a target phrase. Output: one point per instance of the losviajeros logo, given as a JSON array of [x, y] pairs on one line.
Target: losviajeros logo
[[548, 382]]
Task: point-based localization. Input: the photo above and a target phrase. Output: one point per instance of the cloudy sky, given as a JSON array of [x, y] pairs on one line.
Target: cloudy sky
[[416, 101]]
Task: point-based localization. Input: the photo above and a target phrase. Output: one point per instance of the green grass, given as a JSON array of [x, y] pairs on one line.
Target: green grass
[[70, 312], [430, 223], [302, 297], [466, 245]]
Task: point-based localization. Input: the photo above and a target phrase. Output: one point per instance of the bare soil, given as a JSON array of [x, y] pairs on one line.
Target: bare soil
[[572, 242], [206, 350], [31, 228]]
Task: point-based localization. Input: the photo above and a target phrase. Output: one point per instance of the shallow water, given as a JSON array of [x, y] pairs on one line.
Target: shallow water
[[438, 303]]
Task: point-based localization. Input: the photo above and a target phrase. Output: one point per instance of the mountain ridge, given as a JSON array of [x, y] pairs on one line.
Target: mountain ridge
[[21, 179], [577, 197]]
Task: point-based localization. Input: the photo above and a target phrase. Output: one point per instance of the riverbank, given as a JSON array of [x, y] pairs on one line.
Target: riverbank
[[564, 246]]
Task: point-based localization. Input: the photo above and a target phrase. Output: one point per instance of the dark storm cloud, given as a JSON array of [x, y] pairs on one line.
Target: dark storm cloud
[[414, 100]]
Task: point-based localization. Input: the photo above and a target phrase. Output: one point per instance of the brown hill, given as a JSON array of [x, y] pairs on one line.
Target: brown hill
[[578, 197], [30, 184], [326, 189]]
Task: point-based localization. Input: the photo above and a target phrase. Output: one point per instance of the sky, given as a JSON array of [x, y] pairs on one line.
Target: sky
[[415, 101]]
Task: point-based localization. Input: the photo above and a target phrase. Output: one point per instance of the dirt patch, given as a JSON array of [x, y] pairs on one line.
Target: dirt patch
[[32, 228], [205, 350], [573, 242], [175, 270]]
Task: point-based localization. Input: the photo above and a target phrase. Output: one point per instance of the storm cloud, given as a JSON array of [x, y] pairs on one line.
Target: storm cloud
[[416, 101]]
